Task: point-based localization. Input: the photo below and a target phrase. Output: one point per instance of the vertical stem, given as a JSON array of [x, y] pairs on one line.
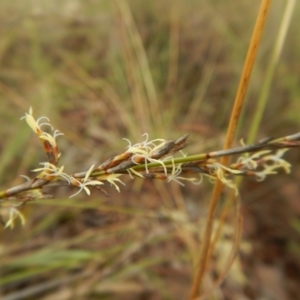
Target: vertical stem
[[260, 106], [242, 88], [265, 87]]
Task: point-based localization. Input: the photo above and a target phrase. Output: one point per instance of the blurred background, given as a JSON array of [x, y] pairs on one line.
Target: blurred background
[[107, 70]]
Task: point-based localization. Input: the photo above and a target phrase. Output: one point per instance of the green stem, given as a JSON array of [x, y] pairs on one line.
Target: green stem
[[266, 85]]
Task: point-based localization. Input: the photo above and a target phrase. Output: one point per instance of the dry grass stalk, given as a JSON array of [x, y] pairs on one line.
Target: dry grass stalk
[[236, 111]]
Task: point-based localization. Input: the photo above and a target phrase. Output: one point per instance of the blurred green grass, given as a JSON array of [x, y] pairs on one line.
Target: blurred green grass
[[102, 71]]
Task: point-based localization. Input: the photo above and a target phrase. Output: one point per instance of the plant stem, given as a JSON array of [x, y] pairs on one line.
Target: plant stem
[[266, 85], [204, 250]]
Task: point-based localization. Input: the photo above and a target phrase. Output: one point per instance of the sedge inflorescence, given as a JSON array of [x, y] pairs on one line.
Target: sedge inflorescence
[[149, 159]]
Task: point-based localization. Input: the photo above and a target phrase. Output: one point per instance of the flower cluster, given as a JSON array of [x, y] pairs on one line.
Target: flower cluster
[[48, 140], [153, 159]]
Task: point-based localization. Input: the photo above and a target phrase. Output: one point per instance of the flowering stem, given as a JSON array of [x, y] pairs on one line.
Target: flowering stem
[[267, 143]]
